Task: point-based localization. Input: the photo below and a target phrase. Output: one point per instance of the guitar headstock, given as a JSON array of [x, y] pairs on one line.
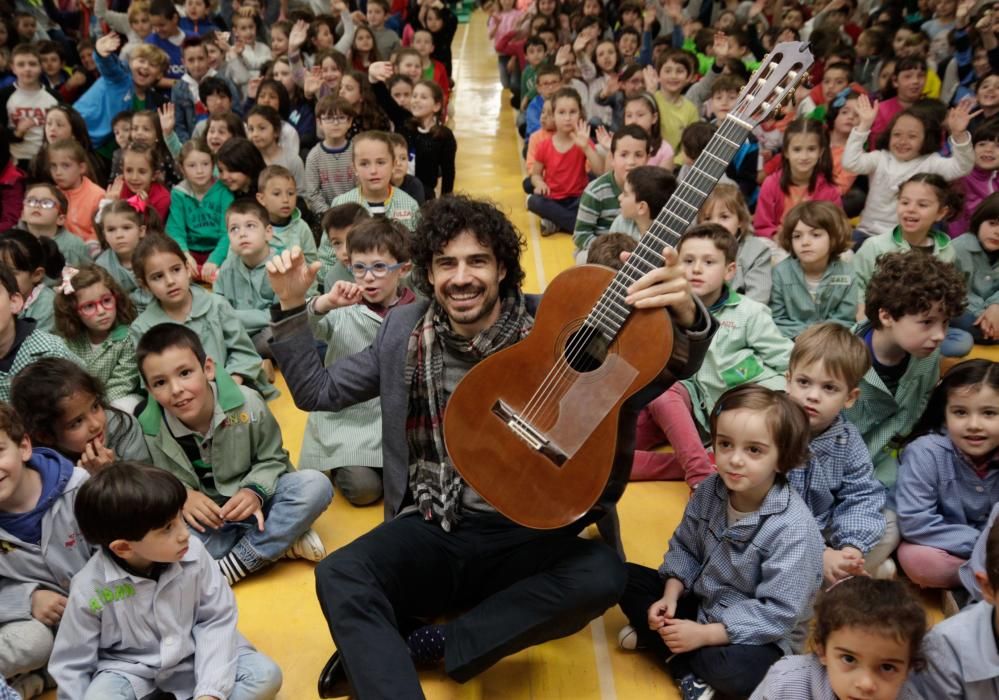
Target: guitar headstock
[[773, 82]]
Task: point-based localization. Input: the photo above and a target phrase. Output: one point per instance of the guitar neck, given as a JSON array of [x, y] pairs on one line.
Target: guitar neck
[[611, 311]]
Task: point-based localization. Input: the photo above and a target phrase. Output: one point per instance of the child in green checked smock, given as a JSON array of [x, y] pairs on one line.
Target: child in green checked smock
[[93, 313]]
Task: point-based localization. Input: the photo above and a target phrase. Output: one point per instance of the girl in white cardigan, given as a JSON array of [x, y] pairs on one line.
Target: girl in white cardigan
[[909, 146]]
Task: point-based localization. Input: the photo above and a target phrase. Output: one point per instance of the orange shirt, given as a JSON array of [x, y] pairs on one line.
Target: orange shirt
[[83, 204]]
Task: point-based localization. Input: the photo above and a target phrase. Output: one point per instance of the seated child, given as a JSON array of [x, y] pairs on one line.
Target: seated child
[[968, 573], [197, 210], [242, 279], [726, 207], [140, 164], [947, 478], [730, 602], [32, 260], [36, 499], [21, 343], [837, 482], [160, 268], [403, 169], [119, 231], [909, 301], [349, 442], [92, 313], [373, 158], [981, 181], [646, 191], [65, 408], [149, 614], [276, 193], [599, 204], [606, 250], [867, 641], [244, 499], [68, 168], [976, 257], [961, 652], [813, 284], [44, 216], [337, 224], [328, 168], [746, 348]]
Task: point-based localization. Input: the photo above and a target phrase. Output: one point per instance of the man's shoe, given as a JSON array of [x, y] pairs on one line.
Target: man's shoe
[[333, 682]]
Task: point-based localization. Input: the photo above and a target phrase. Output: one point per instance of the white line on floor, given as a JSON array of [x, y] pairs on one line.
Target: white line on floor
[[605, 673]]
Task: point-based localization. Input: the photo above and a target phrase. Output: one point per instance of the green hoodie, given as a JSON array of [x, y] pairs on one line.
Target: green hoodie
[[199, 224]]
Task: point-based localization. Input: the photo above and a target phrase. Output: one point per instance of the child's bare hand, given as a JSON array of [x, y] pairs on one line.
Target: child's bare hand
[[253, 86], [380, 71], [168, 118], [342, 294], [238, 378], [960, 116], [604, 137], [650, 78], [837, 564], [47, 606], [581, 136], [297, 36], [313, 82], [659, 612], [209, 271], [541, 189], [96, 457], [989, 321], [114, 191], [108, 44], [867, 112], [201, 512], [244, 504], [682, 636]]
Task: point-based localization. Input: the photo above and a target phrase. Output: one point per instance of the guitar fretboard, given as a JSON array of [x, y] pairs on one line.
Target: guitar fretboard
[[611, 311]]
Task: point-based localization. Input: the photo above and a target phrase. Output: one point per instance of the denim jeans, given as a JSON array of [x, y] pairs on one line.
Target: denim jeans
[[957, 343], [561, 211], [300, 497], [257, 678]]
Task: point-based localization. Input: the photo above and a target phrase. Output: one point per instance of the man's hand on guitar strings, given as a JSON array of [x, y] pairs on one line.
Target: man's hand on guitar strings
[[665, 287]]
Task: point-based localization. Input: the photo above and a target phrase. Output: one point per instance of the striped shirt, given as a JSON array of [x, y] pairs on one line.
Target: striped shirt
[[597, 209]]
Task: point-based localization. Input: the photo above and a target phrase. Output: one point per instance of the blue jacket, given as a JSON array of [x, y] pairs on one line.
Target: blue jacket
[[756, 577], [977, 561], [838, 486], [532, 115], [112, 93], [941, 501], [176, 68]]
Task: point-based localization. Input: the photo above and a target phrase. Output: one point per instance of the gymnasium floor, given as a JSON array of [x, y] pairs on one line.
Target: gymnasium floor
[[278, 610]]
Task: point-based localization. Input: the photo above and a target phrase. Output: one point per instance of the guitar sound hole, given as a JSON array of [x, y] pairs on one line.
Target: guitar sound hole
[[586, 349]]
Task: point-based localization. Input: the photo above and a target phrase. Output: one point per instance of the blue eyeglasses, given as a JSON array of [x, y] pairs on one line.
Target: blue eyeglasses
[[378, 269]]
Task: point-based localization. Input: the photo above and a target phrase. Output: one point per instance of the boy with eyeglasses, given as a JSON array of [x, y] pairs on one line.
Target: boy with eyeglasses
[[348, 443], [329, 169], [242, 278], [44, 215]]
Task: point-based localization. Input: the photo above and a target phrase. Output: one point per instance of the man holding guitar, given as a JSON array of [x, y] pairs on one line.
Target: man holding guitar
[[443, 549]]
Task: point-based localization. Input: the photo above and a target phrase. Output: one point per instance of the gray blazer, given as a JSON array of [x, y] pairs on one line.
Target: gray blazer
[[379, 370]]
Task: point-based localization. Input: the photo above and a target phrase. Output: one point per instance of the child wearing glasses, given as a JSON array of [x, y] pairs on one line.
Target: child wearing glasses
[[329, 171], [348, 317], [44, 216], [93, 313], [242, 279]]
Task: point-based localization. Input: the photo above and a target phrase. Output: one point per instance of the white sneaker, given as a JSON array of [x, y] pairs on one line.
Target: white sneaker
[[548, 227], [886, 571], [627, 638], [309, 546]]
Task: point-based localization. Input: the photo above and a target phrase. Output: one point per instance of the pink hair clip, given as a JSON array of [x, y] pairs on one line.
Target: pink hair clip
[[66, 287]]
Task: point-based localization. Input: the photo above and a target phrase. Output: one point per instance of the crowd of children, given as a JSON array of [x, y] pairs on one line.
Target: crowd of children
[[155, 156]]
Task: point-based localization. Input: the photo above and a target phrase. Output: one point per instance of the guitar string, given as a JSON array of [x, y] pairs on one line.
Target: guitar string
[[550, 387]]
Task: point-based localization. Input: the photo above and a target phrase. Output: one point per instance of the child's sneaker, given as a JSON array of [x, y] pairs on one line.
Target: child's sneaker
[[28, 685], [693, 688], [627, 638], [548, 227], [886, 571], [309, 546]]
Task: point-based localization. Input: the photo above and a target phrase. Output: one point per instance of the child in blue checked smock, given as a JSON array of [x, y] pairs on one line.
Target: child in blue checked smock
[[866, 639], [150, 611], [348, 318], [837, 482], [745, 561]]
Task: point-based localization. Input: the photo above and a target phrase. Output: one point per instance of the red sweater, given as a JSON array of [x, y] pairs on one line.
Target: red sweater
[[11, 196], [159, 199], [773, 202]]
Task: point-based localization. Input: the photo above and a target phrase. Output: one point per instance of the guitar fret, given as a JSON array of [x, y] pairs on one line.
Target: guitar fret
[[732, 143], [687, 184], [711, 155]]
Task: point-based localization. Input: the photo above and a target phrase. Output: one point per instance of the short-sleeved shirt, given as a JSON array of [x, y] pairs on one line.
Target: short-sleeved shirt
[[565, 173]]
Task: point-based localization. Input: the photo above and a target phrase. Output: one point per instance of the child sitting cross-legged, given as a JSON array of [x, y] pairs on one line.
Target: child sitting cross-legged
[[161, 268], [244, 498], [867, 641], [42, 551], [348, 318], [745, 561], [150, 615], [242, 279], [746, 348], [837, 482]]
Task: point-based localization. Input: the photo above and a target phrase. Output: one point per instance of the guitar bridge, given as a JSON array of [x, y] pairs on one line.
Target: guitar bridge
[[528, 433]]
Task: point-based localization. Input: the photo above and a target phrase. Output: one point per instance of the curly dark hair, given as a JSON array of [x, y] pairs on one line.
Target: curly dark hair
[[911, 282], [446, 218], [890, 608]]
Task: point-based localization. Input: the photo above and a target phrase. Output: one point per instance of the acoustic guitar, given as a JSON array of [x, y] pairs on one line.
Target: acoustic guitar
[[545, 428]]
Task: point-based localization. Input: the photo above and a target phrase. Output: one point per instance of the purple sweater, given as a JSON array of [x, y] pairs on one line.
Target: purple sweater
[[977, 185]]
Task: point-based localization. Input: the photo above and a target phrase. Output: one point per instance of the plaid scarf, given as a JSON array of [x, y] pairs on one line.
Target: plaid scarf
[[435, 484]]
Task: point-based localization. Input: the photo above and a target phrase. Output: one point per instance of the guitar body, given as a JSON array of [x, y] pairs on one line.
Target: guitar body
[[536, 437]]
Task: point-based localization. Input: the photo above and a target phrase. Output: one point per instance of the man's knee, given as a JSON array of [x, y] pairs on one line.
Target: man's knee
[[601, 578]]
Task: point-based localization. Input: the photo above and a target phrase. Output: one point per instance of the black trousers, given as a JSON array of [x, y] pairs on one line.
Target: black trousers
[[519, 587], [732, 670]]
